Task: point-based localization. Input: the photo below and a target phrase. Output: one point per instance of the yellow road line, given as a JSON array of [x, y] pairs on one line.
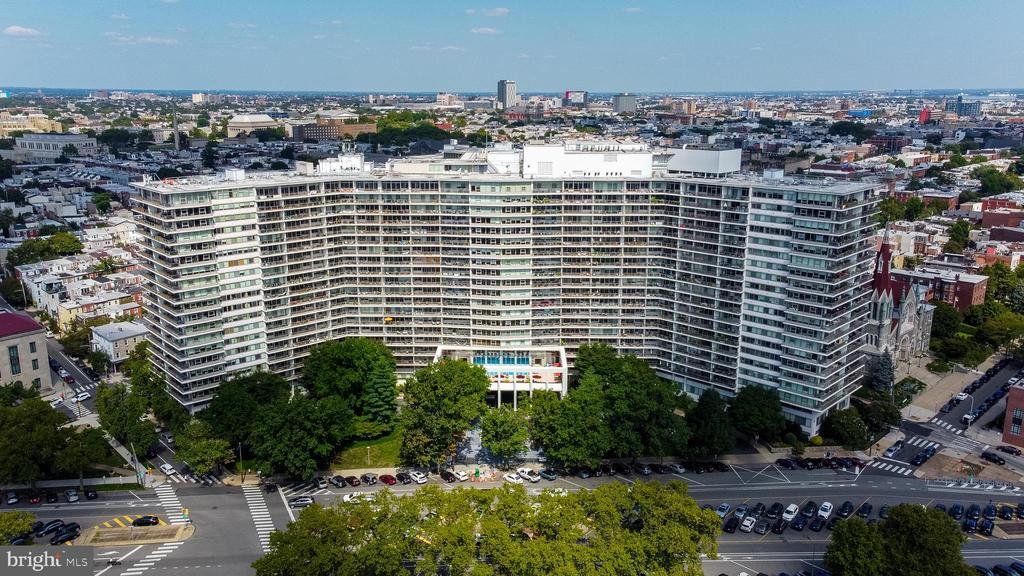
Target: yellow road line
[[118, 522]]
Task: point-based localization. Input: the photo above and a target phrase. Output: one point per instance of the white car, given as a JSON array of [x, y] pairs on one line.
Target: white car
[[528, 474], [56, 402], [677, 468], [168, 469], [510, 477], [462, 476], [62, 373], [791, 511], [825, 510], [352, 496], [418, 477], [962, 396], [748, 524], [81, 397]]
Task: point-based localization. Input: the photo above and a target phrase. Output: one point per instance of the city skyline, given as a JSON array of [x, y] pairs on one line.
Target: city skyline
[[738, 46]]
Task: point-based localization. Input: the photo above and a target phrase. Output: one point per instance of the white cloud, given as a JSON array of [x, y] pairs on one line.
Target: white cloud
[[337, 22], [120, 16], [485, 30], [633, 10], [124, 39], [451, 49], [756, 49], [241, 25], [495, 12], [21, 31]]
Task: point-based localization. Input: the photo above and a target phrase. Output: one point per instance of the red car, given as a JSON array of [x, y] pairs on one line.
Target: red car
[[35, 498], [387, 479]]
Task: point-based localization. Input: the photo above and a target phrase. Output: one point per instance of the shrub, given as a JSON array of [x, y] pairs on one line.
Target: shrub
[[816, 441]]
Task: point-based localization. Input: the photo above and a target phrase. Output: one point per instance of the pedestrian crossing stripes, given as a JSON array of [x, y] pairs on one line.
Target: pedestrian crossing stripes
[[947, 426], [260, 515], [78, 410], [193, 478], [169, 500], [150, 559], [894, 468], [918, 441]]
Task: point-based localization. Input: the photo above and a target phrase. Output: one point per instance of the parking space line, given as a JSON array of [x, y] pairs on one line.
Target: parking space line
[[733, 468], [287, 508], [688, 479]]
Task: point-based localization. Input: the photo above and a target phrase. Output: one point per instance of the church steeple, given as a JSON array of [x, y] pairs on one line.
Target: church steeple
[[882, 296], [882, 283]]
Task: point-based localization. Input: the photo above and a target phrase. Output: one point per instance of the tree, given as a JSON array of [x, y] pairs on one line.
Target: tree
[[880, 414], [644, 528], [709, 425], [914, 184], [890, 210], [296, 436], [503, 433], [1002, 331], [101, 200], [69, 150], [65, 243], [978, 314], [993, 181], [7, 220], [233, 412], [857, 549], [380, 393], [883, 375], [441, 401], [121, 415], [99, 360], [287, 153], [166, 172], [278, 165], [198, 447], [913, 208], [921, 540], [952, 247], [209, 155], [80, 451], [1001, 281], [343, 367], [758, 411], [37, 428], [847, 428], [946, 320], [1015, 301], [13, 524], [856, 130], [580, 434], [12, 291], [960, 231]]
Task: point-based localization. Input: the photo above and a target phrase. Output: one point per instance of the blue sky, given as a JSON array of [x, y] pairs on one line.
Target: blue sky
[[554, 45]]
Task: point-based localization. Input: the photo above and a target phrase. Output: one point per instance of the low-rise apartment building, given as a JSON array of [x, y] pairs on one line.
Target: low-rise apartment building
[[23, 355], [117, 340]]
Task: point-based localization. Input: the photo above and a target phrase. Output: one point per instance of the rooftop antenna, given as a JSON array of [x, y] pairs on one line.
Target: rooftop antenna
[[177, 145]]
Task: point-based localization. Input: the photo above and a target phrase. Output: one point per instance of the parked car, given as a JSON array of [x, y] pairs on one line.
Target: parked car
[[51, 497], [12, 498], [338, 481], [66, 535], [301, 502], [529, 474], [780, 526], [825, 510], [642, 469], [167, 469], [993, 458], [460, 475], [418, 477], [404, 477], [809, 509], [1013, 450], [831, 525], [387, 480], [71, 495], [894, 449], [320, 482], [50, 527], [548, 474], [731, 525], [990, 512], [1006, 512], [740, 511], [369, 478], [35, 498], [791, 511], [757, 510], [352, 481], [798, 523], [865, 510], [775, 510], [447, 476], [974, 512], [956, 511], [845, 510], [883, 512], [748, 524], [762, 526], [146, 521], [723, 509], [985, 527], [621, 469], [513, 478], [785, 464], [677, 468]]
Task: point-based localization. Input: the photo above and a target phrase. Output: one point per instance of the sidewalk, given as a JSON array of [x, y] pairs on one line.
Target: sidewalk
[[939, 387]]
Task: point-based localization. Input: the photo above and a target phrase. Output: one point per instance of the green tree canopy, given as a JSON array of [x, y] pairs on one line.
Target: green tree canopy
[[946, 320], [37, 428], [921, 540], [710, 427], [233, 412], [343, 367], [643, 528], [579, 433], [121, 415], [198, 447], [847, 428], [80, 451], [890, 210], [503, 432], [857, 549], [758, 411], [441, 401], [298, 435], [15, 524], [960, 231]]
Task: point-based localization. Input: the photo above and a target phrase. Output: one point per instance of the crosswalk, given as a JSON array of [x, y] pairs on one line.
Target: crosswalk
[[260, 515], [193, 478], [922, 443], [171, 504], [890, 467], [307, 488], [946, 425], [150, 559], [77, 409], [79, 388]]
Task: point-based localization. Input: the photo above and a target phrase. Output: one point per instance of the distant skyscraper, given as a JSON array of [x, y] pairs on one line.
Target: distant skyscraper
[[507, 96], [961, 108], [624, 102], [576, 98]]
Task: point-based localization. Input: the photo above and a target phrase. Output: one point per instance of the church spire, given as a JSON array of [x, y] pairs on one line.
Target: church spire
[[882, 283]]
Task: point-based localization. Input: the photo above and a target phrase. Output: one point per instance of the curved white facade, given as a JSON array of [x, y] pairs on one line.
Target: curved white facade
[[717, 281]]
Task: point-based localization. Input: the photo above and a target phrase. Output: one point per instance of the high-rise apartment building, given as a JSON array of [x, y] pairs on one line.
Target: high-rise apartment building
[[513, 258], [624, 103], [507, 96]]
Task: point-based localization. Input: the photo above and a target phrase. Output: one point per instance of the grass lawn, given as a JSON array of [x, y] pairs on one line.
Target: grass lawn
[[377, 453]]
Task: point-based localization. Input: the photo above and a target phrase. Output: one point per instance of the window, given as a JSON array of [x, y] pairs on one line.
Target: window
[[32, 347], [1015, 429], [36, 383], [35, 364], [12, 354], [1018, 413]]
